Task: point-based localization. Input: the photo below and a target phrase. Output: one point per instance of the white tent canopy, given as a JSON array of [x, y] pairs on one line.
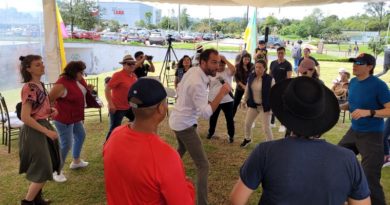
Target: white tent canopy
[[52, 44], [258, 3]]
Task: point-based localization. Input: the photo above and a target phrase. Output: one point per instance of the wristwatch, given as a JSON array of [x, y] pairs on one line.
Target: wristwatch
[[372, 113]]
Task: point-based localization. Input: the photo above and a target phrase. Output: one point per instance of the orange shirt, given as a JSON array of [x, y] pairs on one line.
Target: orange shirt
[[120, 85], [140, 168]]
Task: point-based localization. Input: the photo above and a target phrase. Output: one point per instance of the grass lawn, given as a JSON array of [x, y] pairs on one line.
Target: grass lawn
[[86, 186]]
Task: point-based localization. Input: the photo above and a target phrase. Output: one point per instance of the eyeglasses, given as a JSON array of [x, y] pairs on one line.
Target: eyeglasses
[[129, 64], [359, 63]]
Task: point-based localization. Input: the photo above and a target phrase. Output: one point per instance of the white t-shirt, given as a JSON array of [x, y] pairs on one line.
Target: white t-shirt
[[215, 85]]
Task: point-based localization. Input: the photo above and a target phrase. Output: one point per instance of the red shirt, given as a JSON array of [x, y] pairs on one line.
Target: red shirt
[[139, 168], [120, 85]]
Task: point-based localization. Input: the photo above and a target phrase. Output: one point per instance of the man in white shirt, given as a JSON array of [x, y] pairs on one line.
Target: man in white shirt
[[192, 103]]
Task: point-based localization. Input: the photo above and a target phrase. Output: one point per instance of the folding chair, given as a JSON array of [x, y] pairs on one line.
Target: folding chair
[[12, 125], [95, 92]]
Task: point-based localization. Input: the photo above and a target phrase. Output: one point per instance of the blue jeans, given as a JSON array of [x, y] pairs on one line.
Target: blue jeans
[[72, 134], [116, 119], [386, 133], [296, 62]]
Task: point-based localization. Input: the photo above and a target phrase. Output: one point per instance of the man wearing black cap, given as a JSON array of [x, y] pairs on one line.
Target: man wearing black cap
[[301, 168], [192, 103], [369, 103], [139, 167]]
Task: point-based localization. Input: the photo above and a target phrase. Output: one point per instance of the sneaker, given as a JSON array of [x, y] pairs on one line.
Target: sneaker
[[231, 140], [245, 143], [272, 125], [59, 177], [282, 128], [81, 164], [209, 136]]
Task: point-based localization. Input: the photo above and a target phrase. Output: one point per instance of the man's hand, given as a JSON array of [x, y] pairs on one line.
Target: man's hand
[[111, 108], [359, 113]]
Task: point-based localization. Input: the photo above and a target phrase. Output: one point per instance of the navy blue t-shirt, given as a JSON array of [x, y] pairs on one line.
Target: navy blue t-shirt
[[369, 94], [303, 171]]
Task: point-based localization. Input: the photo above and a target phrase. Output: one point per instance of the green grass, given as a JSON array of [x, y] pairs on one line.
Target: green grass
[[87, 186]]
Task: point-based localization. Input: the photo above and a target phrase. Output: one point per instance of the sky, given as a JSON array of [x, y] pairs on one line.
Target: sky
[[219, 12]]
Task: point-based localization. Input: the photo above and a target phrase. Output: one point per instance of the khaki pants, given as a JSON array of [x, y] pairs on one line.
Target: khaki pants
[[250, 117], [189, 139]]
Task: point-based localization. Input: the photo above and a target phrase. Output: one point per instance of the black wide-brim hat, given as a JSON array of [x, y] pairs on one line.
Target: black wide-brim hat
[[305, 106]]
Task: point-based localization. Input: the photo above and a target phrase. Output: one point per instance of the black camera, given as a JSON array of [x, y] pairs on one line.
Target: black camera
[[149, 58]]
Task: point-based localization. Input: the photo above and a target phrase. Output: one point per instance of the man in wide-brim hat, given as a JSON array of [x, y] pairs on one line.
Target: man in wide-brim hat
[[116, 93], [301, 168]]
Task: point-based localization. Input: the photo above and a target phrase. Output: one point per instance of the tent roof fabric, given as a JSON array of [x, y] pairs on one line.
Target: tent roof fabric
[[259, 3]]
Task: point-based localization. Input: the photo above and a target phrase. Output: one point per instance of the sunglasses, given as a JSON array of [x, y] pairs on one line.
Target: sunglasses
[[129, 64], [359, 63]]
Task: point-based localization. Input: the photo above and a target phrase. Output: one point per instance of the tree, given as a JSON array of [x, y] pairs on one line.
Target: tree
[[377, 46], [377, 10], [184, 20], [141, 23], [84, 14], [113, 25], [148, 17]]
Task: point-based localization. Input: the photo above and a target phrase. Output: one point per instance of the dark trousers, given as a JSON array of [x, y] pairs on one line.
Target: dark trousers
[[189, 140], [117, 117], [237, 99], [227, 109], [370, 146]]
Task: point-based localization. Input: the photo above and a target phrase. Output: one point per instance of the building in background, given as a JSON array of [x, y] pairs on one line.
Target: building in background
[[128, 12]]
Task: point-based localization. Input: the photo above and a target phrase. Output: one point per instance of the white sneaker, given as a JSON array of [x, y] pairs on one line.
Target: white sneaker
[[282, 128], [272, 125], [59, 177], [81, 164]]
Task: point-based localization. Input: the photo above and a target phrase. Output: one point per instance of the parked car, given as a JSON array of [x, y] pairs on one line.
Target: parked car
[[110, 36], [208, 37], [157, 38], [188, 38], [274, 41]]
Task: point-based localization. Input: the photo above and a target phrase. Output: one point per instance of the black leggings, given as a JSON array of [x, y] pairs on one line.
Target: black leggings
[[237, 99]]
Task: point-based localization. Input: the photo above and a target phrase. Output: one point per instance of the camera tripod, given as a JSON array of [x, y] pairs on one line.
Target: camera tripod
[[167, 62]]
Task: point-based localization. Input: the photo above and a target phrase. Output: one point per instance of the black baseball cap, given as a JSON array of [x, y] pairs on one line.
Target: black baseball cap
[[364, 58], [261, 42], [146, 92]]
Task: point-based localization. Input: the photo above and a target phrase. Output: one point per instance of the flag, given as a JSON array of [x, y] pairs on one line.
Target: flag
[[61, 32], [250, 35]]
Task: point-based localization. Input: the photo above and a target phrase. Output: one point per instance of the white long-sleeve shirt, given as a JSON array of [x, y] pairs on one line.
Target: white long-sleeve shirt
[[192, 100]]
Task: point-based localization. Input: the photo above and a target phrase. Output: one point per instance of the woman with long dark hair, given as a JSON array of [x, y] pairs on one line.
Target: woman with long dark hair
[[37, 137], [257, 99], [183, 66], [243, 69], [71, 95]]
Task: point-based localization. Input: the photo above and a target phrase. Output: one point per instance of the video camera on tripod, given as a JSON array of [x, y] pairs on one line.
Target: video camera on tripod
[[168, 61]]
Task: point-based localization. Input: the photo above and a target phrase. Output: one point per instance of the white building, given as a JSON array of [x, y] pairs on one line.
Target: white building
[[128, 12]]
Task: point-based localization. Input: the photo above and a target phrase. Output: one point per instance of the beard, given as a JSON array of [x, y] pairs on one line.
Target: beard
[[211, 72]]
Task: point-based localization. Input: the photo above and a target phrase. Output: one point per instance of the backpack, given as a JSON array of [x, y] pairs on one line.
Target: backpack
[[295, 52]]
